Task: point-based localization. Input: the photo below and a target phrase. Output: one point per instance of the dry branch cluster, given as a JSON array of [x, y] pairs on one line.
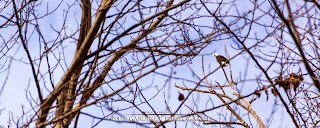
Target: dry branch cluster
[[293, 81]]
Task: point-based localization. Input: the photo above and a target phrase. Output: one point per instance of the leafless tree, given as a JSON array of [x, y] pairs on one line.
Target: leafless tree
[[105, 59]]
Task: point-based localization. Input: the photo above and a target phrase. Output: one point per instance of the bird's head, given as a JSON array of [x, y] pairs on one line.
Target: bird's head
[[215, 54]]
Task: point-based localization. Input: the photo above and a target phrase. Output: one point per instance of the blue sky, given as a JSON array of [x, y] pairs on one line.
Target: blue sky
[[21, 84]]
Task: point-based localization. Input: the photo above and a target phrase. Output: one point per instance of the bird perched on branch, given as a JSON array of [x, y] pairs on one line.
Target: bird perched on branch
[[221, 60]]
